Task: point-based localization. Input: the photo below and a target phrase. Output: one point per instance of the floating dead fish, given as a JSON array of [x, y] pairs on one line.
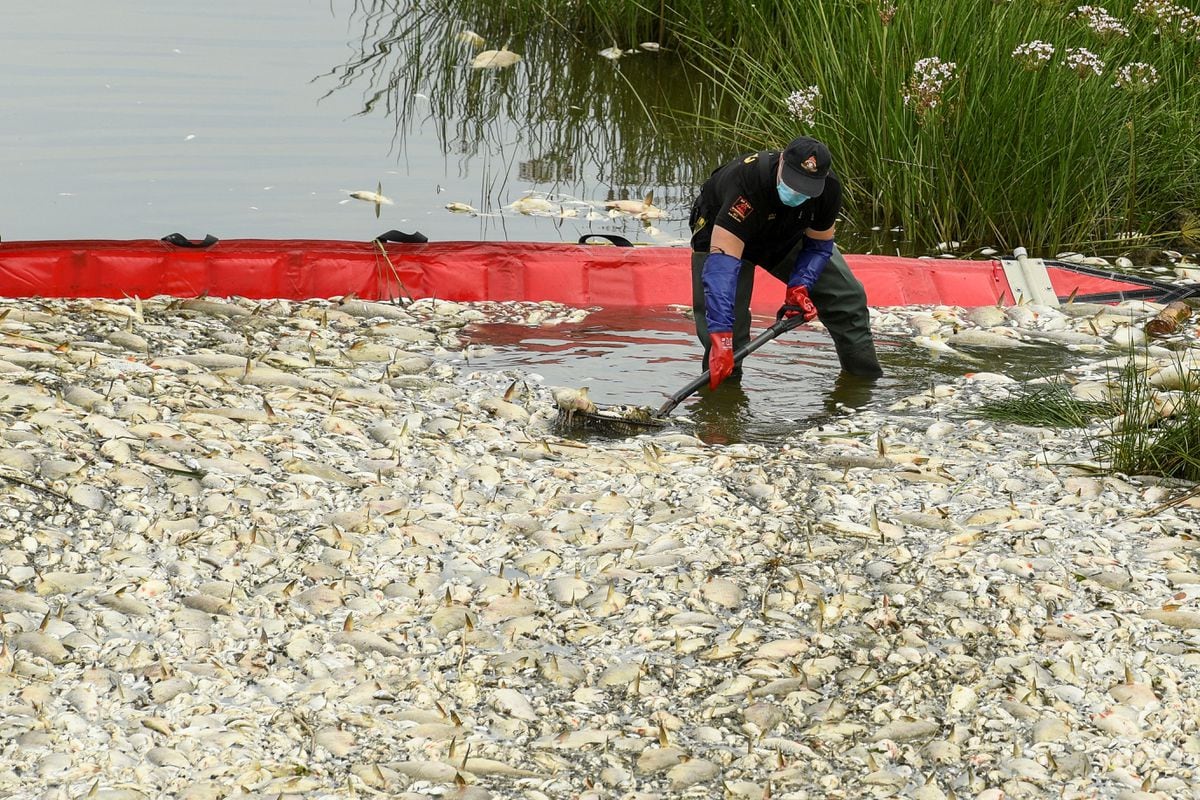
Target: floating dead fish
[[495, 59], [461, 208], [532, 205], [978, 337], [642, 209], [936, 345], [377, 197], [470, 38]]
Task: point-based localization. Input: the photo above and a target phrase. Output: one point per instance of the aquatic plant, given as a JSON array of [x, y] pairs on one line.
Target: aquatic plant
[[1141, 431], [1045, 405], [803, 105], [1033, 55], [1058, 127], [929, 81], [1083, 62], [1155, 433]]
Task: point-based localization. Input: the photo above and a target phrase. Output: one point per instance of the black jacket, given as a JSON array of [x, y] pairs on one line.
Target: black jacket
[[740, 197]]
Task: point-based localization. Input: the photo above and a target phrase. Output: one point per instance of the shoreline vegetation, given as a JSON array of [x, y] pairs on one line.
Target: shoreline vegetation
[[1044, 124], [1147, 423]]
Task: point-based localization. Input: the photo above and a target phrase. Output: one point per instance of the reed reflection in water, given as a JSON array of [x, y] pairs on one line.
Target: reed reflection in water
[[564, 121]]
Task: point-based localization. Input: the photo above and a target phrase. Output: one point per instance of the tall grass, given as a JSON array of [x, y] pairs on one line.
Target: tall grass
[[1049, 405], [1015, 151], [1144, 441], [1144, 431]]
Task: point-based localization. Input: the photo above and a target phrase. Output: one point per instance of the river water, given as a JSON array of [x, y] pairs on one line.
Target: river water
[[641, 358], [239, 119], [256, 119]]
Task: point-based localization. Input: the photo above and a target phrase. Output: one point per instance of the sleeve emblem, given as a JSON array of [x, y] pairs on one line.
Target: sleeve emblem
[[740, 209]]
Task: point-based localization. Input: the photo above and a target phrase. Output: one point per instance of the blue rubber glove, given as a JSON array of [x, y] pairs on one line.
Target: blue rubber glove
[[811, 262], [720, 286], [720, 358]]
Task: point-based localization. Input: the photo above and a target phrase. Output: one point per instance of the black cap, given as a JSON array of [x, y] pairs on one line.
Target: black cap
[[805, 165]]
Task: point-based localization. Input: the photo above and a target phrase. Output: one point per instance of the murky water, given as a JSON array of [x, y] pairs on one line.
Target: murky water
[[641, 358], [255, 119]]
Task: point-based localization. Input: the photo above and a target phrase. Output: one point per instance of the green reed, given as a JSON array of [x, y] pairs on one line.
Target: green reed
[[1144, 441], [1049, 405], [1007, 150], [1134, 436]]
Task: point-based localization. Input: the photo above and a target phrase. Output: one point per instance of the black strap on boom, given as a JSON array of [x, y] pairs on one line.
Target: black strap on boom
[[400, 237], [179, 240], [619, 241]]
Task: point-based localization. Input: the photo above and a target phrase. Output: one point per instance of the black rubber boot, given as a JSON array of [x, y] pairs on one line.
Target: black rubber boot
[[861, 361]]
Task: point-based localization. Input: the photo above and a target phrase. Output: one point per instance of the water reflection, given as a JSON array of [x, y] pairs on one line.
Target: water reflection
[[723, 416], [850, 392], [564, 119], [639, 357]]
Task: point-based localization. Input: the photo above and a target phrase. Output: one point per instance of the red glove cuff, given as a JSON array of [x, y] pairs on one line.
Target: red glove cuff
[[720, 358]]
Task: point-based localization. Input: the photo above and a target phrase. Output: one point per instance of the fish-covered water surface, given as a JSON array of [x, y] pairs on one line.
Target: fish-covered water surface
[[641, 357]]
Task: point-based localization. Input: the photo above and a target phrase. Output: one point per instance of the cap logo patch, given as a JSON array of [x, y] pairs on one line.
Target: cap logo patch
[[740, 209], [810, 164]]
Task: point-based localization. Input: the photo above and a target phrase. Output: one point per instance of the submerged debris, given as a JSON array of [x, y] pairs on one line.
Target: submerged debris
[[495, 59]]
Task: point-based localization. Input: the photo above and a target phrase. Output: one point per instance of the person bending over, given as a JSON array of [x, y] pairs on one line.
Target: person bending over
[[776, 209]]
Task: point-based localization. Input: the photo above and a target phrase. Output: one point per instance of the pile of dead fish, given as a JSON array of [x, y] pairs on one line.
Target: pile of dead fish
[[284, 549]]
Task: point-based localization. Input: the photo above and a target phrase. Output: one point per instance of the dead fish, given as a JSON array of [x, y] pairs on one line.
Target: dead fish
[[461, 208], [514, 704], [42, 645], [213, 307], [470, 38], [614, 52], [571, 400], [642, 209], [532, 205], [977, 337], [495, 59], [1066, 338], [321, 471], [377, 197], [937, 345]]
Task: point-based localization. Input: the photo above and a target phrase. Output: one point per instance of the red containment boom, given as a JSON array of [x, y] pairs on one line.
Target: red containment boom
[[573, 274]]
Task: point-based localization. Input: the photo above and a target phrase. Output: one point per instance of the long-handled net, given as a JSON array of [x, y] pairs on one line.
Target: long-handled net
[[631, 421]]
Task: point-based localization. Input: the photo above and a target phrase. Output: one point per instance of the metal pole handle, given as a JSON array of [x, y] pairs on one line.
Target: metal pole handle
[[782, 325]]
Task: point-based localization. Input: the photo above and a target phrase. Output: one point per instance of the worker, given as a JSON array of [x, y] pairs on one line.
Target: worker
[[776, 209]]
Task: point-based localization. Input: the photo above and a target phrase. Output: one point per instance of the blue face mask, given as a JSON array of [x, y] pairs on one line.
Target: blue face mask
[[789, 196]]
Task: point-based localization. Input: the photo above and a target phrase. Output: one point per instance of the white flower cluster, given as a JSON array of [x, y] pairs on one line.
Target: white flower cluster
[[1168, 18], [1033, 55], [802, 104], [1100, 21], [1083, 62], [1138, 77], [927, 84]]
